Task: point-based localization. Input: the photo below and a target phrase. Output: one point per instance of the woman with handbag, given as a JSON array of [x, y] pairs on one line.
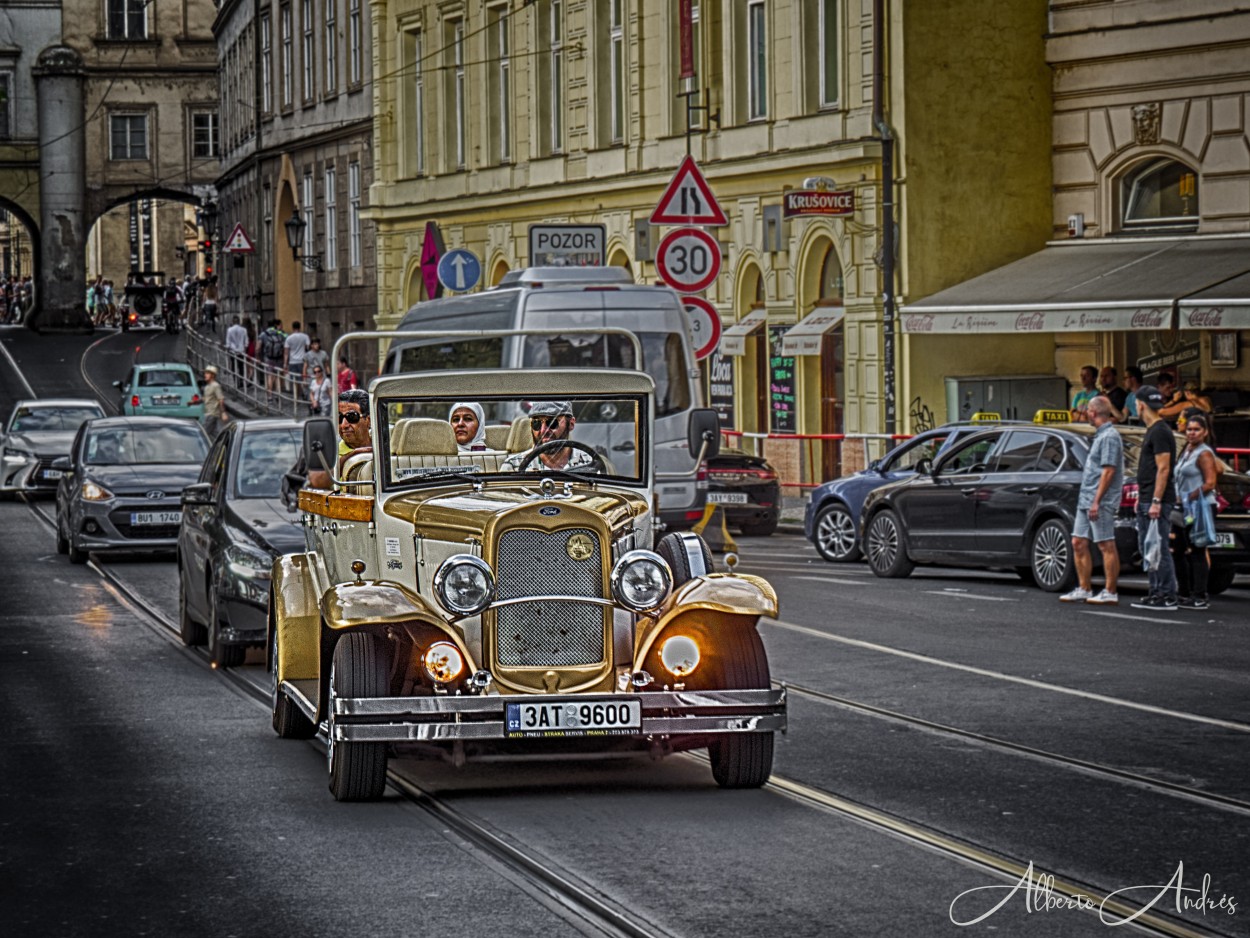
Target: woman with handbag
[[1195, 491]]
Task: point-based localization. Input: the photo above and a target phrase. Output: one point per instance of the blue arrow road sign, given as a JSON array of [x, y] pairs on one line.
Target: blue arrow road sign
[[459, 270]]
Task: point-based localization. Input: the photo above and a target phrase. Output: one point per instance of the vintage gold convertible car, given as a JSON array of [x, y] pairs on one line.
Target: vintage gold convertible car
[[513, 599]]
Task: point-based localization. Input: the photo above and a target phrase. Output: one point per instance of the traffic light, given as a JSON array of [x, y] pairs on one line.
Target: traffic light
[[207, 245], [208, 270]]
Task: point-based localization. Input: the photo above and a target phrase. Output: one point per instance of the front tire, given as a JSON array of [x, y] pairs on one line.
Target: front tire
[[884, 546], [62, 542], [742, 760], [834, 535], [1050, 557], [358, 669], [189, 631], [222, 655], [1221, 578], [75, 555]]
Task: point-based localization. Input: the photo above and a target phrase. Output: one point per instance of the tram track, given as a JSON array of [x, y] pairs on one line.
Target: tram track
[[593, 914]]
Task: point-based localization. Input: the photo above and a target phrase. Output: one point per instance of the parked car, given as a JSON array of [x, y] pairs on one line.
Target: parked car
[[748, 488], [164, 389], [470, 605], [234, 524], [37, 433], [831, 521], [122, 482], [1006, 497]]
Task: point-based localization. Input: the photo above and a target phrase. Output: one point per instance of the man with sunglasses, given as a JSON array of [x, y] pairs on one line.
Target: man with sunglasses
[[551, 420]]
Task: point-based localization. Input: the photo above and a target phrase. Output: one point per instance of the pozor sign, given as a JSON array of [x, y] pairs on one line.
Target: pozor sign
[[568, 245], [817, 202]]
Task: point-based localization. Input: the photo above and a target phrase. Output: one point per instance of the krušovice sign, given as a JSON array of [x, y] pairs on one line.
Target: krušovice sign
[[1007, 321], [817, 202]]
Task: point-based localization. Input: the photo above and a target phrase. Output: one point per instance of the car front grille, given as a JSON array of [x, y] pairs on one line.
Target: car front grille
[[36, 477], [548, 634]]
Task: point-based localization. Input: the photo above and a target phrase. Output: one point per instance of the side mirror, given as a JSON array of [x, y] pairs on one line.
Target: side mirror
[[201, 493], [875, 465], [924, 467], [117, 384], [63, 464], [321, 440], [704, 431]]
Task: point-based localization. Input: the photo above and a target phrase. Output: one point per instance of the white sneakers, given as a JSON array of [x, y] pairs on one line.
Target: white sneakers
[[1079, 595]]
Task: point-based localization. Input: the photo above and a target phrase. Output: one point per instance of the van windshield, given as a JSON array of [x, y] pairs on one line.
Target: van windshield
[[661, 359], [467, 353]]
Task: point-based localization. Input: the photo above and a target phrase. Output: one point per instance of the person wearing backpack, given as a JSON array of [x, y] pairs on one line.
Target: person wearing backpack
[[272, 352]]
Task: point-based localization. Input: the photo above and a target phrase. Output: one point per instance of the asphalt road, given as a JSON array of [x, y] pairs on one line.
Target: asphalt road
[[143, 793]]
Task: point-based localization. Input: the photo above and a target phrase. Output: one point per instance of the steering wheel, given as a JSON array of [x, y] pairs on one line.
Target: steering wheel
[[597, 464]]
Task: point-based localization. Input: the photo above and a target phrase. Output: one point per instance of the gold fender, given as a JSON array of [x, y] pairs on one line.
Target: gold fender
[[718, 599], [296, 615]]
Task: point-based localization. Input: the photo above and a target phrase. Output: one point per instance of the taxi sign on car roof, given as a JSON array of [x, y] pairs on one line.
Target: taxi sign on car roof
[[985, 416], [1052, 416]]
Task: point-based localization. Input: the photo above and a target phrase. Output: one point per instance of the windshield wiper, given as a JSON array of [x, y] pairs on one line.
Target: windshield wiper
[[563, 474]]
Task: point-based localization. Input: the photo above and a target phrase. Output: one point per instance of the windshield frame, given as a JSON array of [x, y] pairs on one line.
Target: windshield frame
[[236, 469], [56, 408]]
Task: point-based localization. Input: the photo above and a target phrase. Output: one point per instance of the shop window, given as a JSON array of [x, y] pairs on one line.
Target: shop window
[[1161, 193]]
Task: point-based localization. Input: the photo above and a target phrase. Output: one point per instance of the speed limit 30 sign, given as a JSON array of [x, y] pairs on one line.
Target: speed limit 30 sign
[[688, 260]]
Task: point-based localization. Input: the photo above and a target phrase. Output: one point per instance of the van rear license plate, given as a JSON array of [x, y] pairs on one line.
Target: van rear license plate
[[727, 498], [155, 517], [593, 718], [1225, 539]]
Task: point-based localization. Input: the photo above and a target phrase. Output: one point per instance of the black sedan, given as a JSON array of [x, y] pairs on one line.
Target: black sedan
[[37, 434], [748, 489], [121, 483], [234, 524]]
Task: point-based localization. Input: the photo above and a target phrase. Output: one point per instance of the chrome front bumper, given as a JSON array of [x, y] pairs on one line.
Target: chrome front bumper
[[438, 719]]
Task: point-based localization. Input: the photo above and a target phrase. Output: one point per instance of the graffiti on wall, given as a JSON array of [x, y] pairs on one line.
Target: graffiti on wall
[[921, 416]]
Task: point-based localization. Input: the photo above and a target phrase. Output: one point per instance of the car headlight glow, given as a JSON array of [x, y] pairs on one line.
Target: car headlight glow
[[248, 562], [94, 492], [464, 584], [17, 455], [641, 580], [443, 662], [680, 655]]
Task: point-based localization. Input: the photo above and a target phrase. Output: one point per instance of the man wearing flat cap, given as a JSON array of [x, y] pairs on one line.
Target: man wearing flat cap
[[549, 421], [215, 415]]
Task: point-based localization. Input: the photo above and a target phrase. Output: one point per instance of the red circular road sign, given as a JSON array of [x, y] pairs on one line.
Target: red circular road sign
[[688, 259], [704, 325]]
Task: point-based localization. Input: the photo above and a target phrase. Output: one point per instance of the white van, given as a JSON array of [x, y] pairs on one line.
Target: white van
[[546, 298]]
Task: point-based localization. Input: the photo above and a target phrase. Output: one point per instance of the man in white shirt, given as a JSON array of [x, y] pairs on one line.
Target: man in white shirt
[[295, 348], [236, 345]]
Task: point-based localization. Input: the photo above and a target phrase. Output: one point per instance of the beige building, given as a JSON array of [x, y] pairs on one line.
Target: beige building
[[1150, 219], [489, 119]]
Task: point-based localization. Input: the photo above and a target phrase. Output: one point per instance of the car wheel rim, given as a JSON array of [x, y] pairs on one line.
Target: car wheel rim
[[1050, 555], [883, 543], [330, 720], [836, 533], [273, 669]]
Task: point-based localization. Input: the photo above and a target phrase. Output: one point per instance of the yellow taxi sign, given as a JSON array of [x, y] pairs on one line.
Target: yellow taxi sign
[[985, 416], [1052, 416]]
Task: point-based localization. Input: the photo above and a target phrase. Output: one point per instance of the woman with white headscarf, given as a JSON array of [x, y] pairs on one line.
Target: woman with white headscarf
[[468, 423]]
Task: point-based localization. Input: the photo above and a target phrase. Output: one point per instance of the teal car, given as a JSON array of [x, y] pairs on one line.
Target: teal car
[[164, 389]]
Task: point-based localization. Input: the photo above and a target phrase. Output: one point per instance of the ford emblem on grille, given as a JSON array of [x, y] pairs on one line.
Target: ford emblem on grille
[[549, 511], [155, 495]]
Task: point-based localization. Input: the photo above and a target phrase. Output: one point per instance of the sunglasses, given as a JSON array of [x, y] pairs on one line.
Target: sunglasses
[[352, 416], [538, 423]]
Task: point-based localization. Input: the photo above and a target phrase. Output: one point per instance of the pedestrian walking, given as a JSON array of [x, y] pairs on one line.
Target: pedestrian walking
[[1096, 506], [346, 377], [296, 348], [236, 345], [1196, 477], [272, 350], [320, 393], [316, 357], [215, 415], [1156, 495]]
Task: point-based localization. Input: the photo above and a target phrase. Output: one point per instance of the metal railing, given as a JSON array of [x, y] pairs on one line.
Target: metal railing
[[267, 391]]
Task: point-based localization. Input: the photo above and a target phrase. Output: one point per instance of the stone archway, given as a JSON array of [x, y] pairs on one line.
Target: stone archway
[[20, 249], [152, 231]]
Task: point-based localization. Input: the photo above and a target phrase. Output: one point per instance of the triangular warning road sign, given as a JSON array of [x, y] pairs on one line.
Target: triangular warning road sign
[[688, 200], [239, 242]]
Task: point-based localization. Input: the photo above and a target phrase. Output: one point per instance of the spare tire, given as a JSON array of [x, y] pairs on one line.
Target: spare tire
[[686, 555]]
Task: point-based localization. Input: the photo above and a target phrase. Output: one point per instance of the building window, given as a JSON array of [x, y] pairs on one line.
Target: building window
[[353, 214], [266, 241], [1160, 193], [616, 70], [332, 45], [6, 108], [266, 64], [204, 135], [414, 139], [356, 52], [309, 214], [757, 61], [501, 81], [827, 29], [332, 218], [286, 57], [310, 49], [128, 136], [128, 19], [456, 104]]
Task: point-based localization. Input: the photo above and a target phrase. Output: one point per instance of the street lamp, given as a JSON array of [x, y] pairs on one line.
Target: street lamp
[[295, 226], [208, 217]]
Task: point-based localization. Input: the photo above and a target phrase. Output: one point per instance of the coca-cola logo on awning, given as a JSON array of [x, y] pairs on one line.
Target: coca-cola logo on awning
[[918, 323], [1207, 318], [1030, 322], [1147, 319]]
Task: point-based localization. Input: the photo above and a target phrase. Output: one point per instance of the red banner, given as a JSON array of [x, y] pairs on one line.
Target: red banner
[[685, 38]]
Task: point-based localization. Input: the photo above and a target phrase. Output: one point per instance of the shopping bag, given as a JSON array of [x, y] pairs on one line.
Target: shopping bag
[[1202, 534], [1152, 547]]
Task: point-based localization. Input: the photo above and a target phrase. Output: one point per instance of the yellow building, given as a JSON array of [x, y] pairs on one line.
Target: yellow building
[[492, 117]]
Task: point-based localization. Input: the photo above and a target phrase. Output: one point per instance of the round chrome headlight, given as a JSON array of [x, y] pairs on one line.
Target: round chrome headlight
[[443, 662], [464, 584], [641, 580]]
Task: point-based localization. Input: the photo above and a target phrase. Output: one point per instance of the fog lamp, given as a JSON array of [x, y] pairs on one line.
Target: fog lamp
[[680, 655], [464, 584], [443, 662], [641, 580]]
